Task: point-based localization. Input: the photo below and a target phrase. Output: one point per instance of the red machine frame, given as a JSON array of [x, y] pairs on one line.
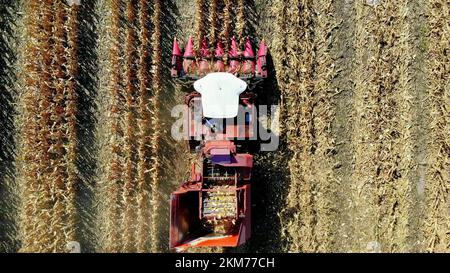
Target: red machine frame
[[185, 215]]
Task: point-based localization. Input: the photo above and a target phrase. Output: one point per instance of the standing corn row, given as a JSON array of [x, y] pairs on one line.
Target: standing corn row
[[50, 201], [129, 148], [115, 169], [437, 185], [45, 230], [226, 31], [143, 196], [199, 21], [240, 21], [58, 174], [29, 130], [71, 119], [156, 126], [213, 20]]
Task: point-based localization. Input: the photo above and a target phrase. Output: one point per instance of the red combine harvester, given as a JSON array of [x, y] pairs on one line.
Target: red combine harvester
[[213, 208]]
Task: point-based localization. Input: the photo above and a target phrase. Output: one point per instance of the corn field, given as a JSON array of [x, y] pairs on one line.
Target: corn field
[[86, 154]]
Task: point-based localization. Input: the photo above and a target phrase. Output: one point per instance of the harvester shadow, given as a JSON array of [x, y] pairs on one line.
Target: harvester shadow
[[270, 176], [8, 95], [171, 152], [87, 145], [269, 183]]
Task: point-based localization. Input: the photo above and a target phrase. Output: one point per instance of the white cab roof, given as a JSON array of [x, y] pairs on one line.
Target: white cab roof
[[220, 94]]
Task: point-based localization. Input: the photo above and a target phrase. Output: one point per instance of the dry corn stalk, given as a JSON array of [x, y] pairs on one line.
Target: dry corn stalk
[[240, 21], [437, 186], [71, 113], [199, 22], [58, 174], [115, 178], [29, 130], [156, 126], [323, 116], [227, 21], [213, 20], [130, 121], [45, 229], [365, 132], [143, 191]]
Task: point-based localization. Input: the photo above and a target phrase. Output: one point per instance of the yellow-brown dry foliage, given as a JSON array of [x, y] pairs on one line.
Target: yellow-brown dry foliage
[[156, 125], [129, 191], [301, 54], [130, 197], [227, 23], [394, 196], [115, 165], [213, 21], [71, 119], [437, 183], [28, 170], [200, 23], [143, 122], [240, 21], [48, 128], [385, 203]]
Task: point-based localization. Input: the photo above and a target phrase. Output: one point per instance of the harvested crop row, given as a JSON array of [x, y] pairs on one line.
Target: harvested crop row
[[323, 116], [366, 130], [299, 102], [393, 182], [309, 114], [399, 226], [342, 85], [437, 185]]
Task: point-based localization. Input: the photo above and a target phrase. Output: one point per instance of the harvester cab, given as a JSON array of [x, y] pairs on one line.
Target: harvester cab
[[213, 208]]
